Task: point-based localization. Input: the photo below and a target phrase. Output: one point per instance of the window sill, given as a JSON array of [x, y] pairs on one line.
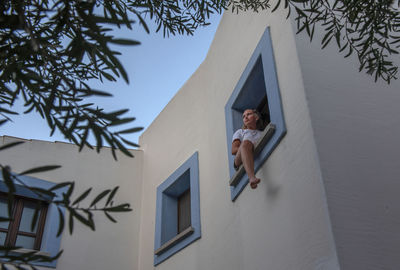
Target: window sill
[[36, 252], [265, 137], [175, 240]]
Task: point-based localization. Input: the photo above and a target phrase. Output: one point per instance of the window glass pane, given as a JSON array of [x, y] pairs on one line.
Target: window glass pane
[[27, 216], [2, 238], [184, 211], [25, 241], [3, 213]]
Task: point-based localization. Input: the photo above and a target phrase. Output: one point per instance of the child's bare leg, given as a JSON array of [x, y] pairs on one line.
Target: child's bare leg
[[238, 158], [245, 155]]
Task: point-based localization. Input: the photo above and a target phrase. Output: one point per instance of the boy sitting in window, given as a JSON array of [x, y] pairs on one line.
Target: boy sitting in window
[[243, 142]]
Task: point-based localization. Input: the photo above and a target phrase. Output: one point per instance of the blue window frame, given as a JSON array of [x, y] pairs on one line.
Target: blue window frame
[[258, 85], [167, 240], [50, 242]]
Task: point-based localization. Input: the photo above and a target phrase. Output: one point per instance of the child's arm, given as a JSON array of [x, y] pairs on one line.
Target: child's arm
[[235, 146]]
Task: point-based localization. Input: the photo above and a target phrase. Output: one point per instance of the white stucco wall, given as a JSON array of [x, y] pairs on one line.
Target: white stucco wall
[[111, 246], [284, 223], [357, 129]]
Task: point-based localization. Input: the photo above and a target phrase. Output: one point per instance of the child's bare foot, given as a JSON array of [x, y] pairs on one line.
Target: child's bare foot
[[254, 182]]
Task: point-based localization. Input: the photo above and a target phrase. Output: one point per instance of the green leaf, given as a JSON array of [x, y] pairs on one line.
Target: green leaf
[[326, 36], [93, 92], [84, 139], [142, 22], [312, 32], [60, 185], [130, 143], [68, 194], [99, 197], [99, 19], [83, 196], [42, 191], [337, 37], [115, 64], [9, 145], [349, 53], [86, 221], [41, 169], [35, 216], [120, 208], [122, 121], [5, 219], [119, 112], [108, 76], [113, 153], [71, 221], [112, 194], [7, 111], [3, 121], [61, 222], [130, 130], [326, 42], [125, 42], [8, 181], [276, 6], [300, 12], [4, 248], [110, 217], [344, 47], [122, 148]]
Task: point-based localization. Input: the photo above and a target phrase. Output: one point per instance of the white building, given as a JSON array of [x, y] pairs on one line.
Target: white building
[[330, 171]]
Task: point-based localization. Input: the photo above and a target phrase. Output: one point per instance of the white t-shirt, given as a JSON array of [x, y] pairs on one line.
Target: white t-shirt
[[252, 135]]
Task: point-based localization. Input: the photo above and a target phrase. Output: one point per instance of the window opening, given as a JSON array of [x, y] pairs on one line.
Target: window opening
[[263, 109], [257, 89], [184, 211], [46, 241], [177, 211], [18, 232]]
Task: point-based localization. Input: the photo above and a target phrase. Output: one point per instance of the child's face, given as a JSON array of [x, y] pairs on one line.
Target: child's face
[[249, 118]]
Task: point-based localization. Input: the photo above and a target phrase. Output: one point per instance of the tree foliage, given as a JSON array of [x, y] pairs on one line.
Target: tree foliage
[[370, 29], [50, 50], [367, 28]]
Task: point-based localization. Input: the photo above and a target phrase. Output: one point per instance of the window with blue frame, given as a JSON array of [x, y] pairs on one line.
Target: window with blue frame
[[257, 89], [18, 232], [177, 211]]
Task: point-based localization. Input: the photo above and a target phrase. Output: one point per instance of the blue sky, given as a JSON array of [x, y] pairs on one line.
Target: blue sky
[[157, 69]]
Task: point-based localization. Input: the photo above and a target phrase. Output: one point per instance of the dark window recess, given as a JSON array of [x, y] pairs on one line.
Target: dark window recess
[[253, 95], [18, 232], [184, 211], [263, 109], [177, 211]]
